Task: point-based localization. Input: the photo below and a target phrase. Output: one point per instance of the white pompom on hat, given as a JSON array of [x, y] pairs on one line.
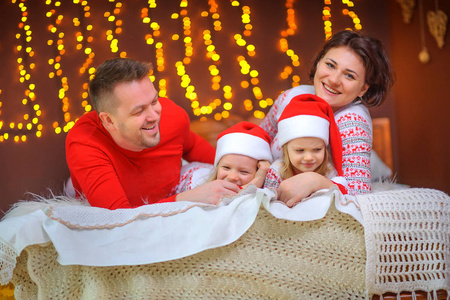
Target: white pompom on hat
[[308, 115], [244, 138]]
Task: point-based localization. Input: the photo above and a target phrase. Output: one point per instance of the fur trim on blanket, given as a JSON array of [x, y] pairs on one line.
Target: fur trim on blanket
[[37, 202], [23, 207], [387, 185]]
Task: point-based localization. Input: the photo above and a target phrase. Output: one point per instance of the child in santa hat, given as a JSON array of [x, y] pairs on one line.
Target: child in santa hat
[[243, 156], [310, 142]]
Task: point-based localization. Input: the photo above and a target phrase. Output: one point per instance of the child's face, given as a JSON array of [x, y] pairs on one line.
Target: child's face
[[236, 168], [306, 154]]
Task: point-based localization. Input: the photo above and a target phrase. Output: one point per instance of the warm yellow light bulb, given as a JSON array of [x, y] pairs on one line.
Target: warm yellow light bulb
[[227, 106]]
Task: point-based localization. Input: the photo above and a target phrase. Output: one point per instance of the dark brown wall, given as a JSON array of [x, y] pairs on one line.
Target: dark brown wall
[[39, 164], [421, 100]]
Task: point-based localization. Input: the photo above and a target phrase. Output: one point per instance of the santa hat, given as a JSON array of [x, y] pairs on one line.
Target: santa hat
[[244, 138], [310, 116]]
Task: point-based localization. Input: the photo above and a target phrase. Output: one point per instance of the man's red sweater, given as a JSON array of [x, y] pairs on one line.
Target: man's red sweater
[[112, 177]]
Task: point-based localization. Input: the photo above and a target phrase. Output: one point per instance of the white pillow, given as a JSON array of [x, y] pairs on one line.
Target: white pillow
[[379, 170]]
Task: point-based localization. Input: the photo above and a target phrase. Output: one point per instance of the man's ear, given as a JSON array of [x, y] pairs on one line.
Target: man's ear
[[107, 121]]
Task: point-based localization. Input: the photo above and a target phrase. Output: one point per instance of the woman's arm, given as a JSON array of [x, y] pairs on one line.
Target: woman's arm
[[356, 134], [94, 175]]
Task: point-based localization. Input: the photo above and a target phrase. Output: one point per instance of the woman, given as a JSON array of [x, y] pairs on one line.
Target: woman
[[351, 73]]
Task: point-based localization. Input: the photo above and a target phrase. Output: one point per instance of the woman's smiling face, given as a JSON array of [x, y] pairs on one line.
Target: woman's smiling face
[[340, 77]]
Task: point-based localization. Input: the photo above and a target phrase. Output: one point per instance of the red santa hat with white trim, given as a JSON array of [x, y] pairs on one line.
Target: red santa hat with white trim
[[308, 115], [244, 138]]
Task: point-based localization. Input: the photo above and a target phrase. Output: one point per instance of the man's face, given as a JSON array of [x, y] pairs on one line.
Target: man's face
[[135, 122]]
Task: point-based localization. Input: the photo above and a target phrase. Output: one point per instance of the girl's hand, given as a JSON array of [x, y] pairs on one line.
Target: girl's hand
[[260, 176], [263, 166], [293, 190]]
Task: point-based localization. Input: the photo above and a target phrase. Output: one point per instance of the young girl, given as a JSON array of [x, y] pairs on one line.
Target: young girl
[[243, 157], [310, 142]]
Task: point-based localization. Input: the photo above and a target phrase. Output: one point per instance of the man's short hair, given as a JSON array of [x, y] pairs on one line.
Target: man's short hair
[[108, 75]]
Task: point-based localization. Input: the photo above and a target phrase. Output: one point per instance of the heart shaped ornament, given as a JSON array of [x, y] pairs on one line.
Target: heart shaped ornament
[[407, 9], [437, 24]]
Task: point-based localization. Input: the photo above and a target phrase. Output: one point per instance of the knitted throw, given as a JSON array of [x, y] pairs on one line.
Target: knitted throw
[[274, 259], [407, 236], [406, 239]]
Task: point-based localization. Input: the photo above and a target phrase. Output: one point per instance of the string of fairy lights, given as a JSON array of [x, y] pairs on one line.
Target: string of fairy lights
[[220, 105]]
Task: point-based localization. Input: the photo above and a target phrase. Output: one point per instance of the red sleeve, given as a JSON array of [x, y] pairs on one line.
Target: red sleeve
[[169, 199], [196, 148], [93, 173]]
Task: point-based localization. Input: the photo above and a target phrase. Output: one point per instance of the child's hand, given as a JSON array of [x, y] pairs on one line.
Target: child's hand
[[260, 175], [294, 189], [263, 166]]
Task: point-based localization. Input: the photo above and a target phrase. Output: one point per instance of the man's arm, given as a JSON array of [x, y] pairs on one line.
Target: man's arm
[[95, 176], [196, 148], [101, 186], [210, 192]]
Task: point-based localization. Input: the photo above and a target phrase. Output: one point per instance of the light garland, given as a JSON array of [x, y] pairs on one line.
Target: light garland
[[31, 120], [284, 45], [111, 34], [57, 43], [326, 17], [220, 104], [355, 19]]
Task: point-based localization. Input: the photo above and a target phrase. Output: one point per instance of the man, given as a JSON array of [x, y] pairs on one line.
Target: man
[[128, 151]]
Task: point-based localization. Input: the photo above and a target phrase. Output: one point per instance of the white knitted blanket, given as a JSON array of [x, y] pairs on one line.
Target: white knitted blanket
[[406, 236]]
